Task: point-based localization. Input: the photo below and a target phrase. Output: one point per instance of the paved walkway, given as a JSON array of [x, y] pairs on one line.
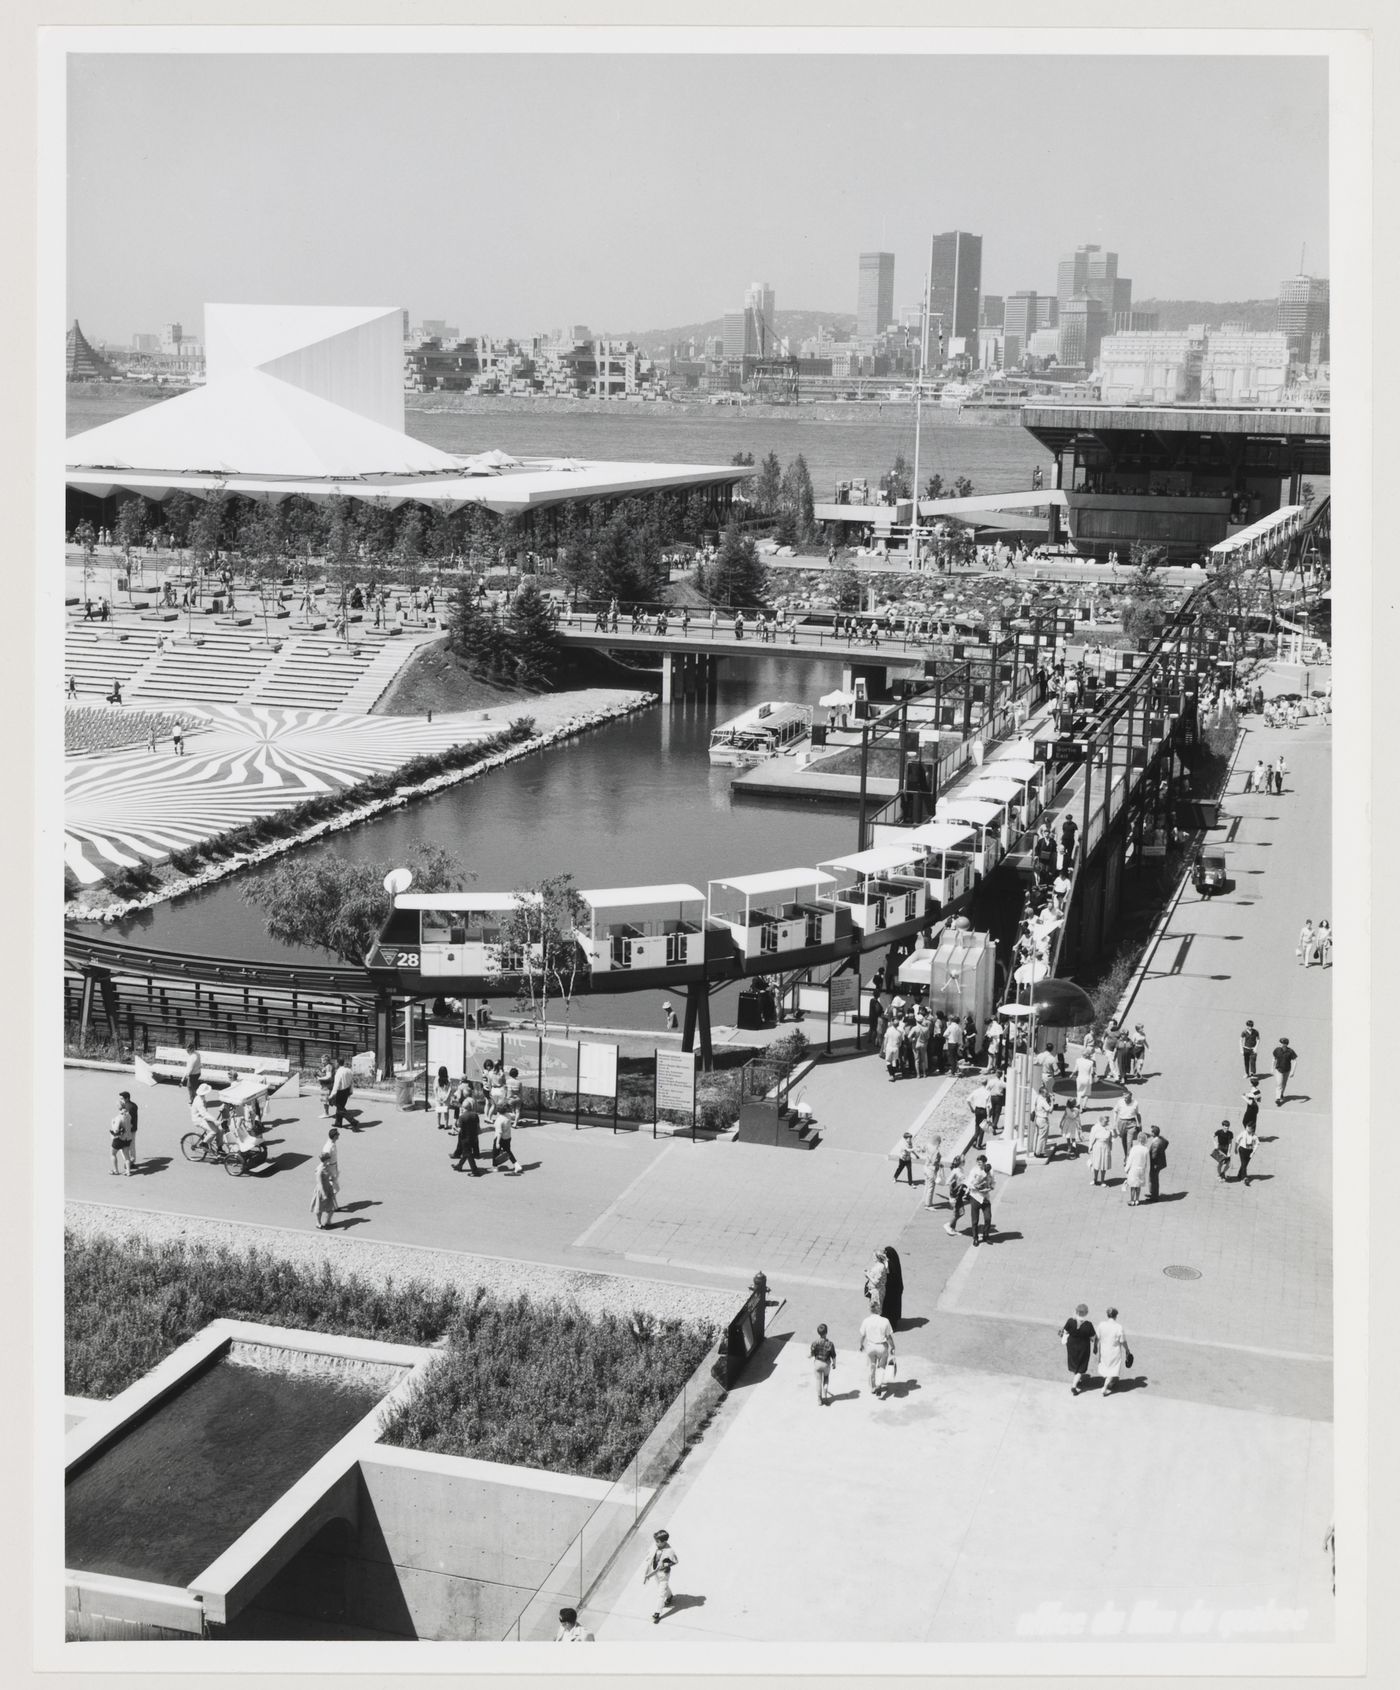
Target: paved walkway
[[982, 1490]]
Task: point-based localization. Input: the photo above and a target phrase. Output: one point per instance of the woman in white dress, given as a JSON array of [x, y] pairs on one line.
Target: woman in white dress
[[1113, 1351], [1307, 945], [1100, 1148], [1135, 1174]]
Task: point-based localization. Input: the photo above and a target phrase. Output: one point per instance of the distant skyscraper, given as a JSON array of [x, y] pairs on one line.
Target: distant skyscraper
[[875, 297], [760, 340], [733, 334], [993, 312], [1083, 325], [1304, 309], [955, 285], [1047, 311], [1072, 277], [1019, 323]]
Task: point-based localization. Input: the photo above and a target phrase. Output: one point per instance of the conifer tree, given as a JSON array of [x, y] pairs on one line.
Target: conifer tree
[[533, 646]]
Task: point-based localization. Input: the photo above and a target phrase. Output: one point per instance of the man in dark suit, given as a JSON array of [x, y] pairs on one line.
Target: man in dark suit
[[468, 1134], [1156, 1161]]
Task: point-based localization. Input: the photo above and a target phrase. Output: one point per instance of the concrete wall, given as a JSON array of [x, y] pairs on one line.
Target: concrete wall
[[446, 1549]]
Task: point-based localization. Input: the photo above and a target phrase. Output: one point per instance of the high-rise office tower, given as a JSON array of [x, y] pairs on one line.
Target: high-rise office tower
[[760, 338], [1072, 276], [1083, 325], [1019, 323], [1047, 311], [993, 313], [875, 297], [1304, 310], [732, 335], [955, 284]]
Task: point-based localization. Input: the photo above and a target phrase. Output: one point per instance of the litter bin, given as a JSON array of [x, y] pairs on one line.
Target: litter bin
[[405, 1085]]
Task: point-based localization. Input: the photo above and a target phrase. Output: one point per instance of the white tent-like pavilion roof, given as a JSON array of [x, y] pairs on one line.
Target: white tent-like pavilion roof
[[250, 424], [1014, 768]]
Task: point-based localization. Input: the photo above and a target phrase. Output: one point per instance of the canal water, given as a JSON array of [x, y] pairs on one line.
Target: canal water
[[634, 803]]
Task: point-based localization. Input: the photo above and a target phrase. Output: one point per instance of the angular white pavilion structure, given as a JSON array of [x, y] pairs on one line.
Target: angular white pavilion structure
[[308, 401]]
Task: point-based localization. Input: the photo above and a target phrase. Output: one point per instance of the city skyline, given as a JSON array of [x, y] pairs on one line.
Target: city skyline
[[164, 131]]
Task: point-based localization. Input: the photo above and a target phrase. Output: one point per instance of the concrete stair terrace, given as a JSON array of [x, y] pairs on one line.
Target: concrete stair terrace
[[228, 663]]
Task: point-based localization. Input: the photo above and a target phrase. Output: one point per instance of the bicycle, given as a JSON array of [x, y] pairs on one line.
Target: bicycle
[[200, 1147]]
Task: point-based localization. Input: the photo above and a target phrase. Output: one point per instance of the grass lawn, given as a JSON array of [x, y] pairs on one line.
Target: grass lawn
[[433, 679]]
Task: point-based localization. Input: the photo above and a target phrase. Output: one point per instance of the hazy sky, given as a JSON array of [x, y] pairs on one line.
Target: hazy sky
[[515, 193]]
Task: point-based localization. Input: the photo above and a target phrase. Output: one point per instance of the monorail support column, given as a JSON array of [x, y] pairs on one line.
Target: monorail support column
[[384, 1035], [668, 666], [697, 1020], [711, 676]]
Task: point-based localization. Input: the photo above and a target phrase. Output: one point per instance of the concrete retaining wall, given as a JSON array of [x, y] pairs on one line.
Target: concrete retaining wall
[[445, 1549]]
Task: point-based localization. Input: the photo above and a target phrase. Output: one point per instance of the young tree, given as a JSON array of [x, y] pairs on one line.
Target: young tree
[[696, 518], [768, 487], [738, 576], [844, 585], [132, 528], [1144, 609], [933, 488], [742, 458], [207, 535], [531, 641], [797, 497], [263, 540], [539, 944], [962, 488], [86, 536], [339, 905], [473, 633], [895, 482]]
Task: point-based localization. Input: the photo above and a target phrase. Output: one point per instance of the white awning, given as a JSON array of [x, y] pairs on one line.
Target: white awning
[[942, 836], [776, 880], [624, 897], [980, 810], [466, 902], [1017, 768], [878, 859], [917, 968], [997, 789]]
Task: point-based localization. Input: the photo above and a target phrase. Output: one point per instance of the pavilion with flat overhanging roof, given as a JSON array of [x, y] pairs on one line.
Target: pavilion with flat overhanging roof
[[308, 402]]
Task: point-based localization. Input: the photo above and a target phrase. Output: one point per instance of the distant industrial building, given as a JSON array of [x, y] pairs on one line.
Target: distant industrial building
[[1226, 366], [1164, 368], [1134, 322], [955, 287], [1243, 367], [1304, 310], [875, 294]]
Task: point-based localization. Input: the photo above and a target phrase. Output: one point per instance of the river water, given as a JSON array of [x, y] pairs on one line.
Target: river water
[[633, 803]]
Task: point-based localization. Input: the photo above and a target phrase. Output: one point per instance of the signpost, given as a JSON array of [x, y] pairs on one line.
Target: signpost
[[842, 998], [675, 1085]]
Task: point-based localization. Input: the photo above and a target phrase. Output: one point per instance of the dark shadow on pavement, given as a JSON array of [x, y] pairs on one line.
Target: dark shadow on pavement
[[151, 1165], [1166, 1197], [363, 1203], [679, 1602], [910, 1323], [761, 1364], [1137, 1383], [844, 1396], [899, 1387], [1250, 1179], [1000, 1237], [286, 1159]]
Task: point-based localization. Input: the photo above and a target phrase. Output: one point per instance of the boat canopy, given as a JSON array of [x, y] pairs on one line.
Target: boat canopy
[[1017, 768], [997, 789]]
